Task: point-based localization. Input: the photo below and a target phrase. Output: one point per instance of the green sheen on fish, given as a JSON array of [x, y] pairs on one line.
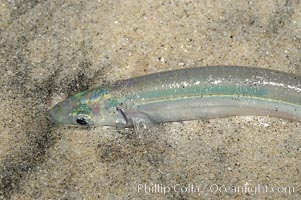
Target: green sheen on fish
[[185, 94]]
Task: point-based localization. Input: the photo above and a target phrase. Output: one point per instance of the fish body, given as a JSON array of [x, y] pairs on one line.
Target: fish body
[[185, 94]]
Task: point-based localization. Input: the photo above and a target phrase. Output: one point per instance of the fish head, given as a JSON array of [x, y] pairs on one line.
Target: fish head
[[89, 108]]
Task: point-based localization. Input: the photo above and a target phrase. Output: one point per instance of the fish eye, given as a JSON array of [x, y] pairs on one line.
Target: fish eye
[[81, 121]]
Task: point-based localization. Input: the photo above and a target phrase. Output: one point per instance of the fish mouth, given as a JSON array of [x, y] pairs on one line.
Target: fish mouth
[[61, 113]]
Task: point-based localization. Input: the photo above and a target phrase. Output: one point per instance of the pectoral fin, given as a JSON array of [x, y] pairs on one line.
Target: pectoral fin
[[138, 120]]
